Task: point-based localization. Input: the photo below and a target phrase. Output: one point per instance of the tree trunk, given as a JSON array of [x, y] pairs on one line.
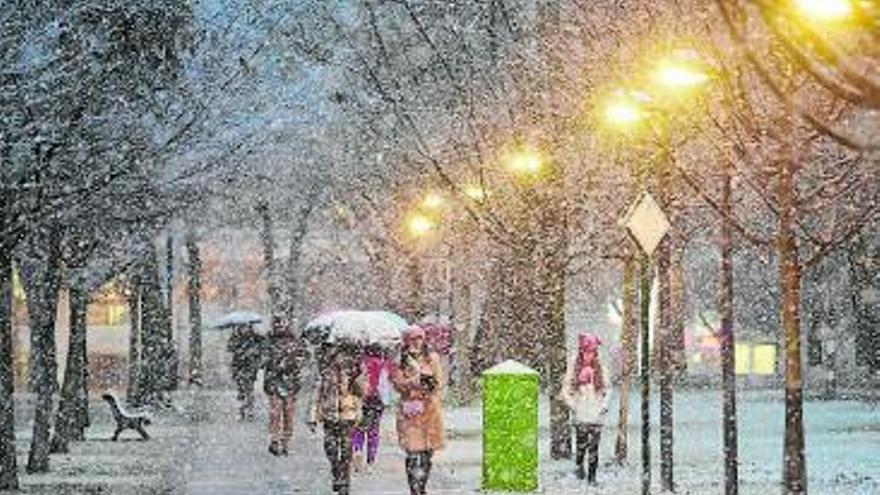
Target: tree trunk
[[42, 300], [555, 351], [862, 256], [194, 295], [663, 341], [267, 239], [8, 467], [627, 357], [413, 307], [173, 363], [292, 284], [68, 422], [134, 338], [728, 344], [461, 322], [155, 375], [794, 463]]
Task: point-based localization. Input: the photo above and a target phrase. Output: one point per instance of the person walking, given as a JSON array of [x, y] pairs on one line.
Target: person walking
[[585, 391], [337, 405], [419, 380], [246, 346], [281, 382], [375, 367]]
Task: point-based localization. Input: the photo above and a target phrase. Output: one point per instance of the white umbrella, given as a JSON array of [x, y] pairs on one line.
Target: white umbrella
[[238, 318], [359, 327]]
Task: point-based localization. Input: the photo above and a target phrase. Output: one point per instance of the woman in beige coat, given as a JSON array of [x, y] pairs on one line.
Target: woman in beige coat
[[419, 380]]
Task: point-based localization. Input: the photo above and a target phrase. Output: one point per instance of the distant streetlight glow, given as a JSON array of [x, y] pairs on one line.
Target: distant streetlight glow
[[419, 225], [824, 10], [432, 201], [524, 162], [679, 76], [623, 112], [475, 192]]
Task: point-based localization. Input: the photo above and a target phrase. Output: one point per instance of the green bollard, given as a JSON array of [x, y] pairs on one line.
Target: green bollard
[[510, 428]]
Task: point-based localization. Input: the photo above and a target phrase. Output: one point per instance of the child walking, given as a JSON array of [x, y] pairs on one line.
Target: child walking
[[585, 391]]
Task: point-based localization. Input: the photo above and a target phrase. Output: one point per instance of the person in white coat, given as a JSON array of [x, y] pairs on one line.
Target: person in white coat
[[585, 391]]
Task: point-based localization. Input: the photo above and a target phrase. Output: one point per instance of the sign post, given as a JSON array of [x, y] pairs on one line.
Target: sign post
[[647, 224]]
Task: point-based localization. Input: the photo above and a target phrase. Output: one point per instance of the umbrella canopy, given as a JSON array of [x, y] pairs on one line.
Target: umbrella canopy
[[357, 327], [237, 318]]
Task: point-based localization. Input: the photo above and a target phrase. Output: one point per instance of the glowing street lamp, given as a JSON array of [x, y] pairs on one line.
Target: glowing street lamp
[[678, 76], [525, 162], [623, 111], [824, 10], [475, 192], [433, 201], [419, 225]]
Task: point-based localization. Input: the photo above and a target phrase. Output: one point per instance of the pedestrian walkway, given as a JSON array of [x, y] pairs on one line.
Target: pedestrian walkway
[[225, 456], [200, 447]]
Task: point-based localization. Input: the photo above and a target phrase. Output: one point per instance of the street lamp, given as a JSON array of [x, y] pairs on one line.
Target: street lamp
[[419, 225], [525, 162], [824, 11], [475, 192], [623, 111], [433, 201], [678, 76]]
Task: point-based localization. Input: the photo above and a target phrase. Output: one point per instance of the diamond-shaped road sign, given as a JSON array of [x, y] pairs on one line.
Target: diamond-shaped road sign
[[647, 223]]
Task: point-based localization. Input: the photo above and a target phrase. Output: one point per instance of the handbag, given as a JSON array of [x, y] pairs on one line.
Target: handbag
[[350, 408], [412, 408]]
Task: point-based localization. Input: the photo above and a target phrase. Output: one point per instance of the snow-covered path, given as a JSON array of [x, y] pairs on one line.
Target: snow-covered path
[[201, 448]]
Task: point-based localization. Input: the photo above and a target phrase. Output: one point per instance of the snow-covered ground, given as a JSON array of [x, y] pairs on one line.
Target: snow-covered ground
[[202, 449]]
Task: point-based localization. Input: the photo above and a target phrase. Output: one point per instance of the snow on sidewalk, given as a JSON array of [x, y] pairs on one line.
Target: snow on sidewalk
[[201, 448]]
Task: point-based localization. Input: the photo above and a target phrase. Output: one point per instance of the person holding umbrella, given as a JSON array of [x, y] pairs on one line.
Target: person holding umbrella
[[281, 383], [419, 380], [336, 404], [585, 391]]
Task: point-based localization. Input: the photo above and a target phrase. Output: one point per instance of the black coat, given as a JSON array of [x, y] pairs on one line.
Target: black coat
[[282, 366], [247, 354]]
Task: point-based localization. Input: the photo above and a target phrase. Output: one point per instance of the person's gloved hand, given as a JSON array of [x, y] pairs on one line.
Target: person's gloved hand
[[313, 426]]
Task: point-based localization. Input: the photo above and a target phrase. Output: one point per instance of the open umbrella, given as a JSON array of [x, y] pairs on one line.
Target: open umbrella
[[237, 318], [357, 327]]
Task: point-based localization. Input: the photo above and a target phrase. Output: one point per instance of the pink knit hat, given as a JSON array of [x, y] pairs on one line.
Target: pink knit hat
[[588, 341], [413, 332]]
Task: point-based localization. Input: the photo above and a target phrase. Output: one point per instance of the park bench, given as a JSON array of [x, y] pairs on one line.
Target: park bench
[[126, 420]]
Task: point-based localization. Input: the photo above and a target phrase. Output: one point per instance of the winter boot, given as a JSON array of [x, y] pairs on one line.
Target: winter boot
[[274, 449]]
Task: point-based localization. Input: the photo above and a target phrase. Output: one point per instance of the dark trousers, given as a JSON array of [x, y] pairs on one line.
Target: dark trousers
[[418, 469], [337, 446], [587, 441]]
